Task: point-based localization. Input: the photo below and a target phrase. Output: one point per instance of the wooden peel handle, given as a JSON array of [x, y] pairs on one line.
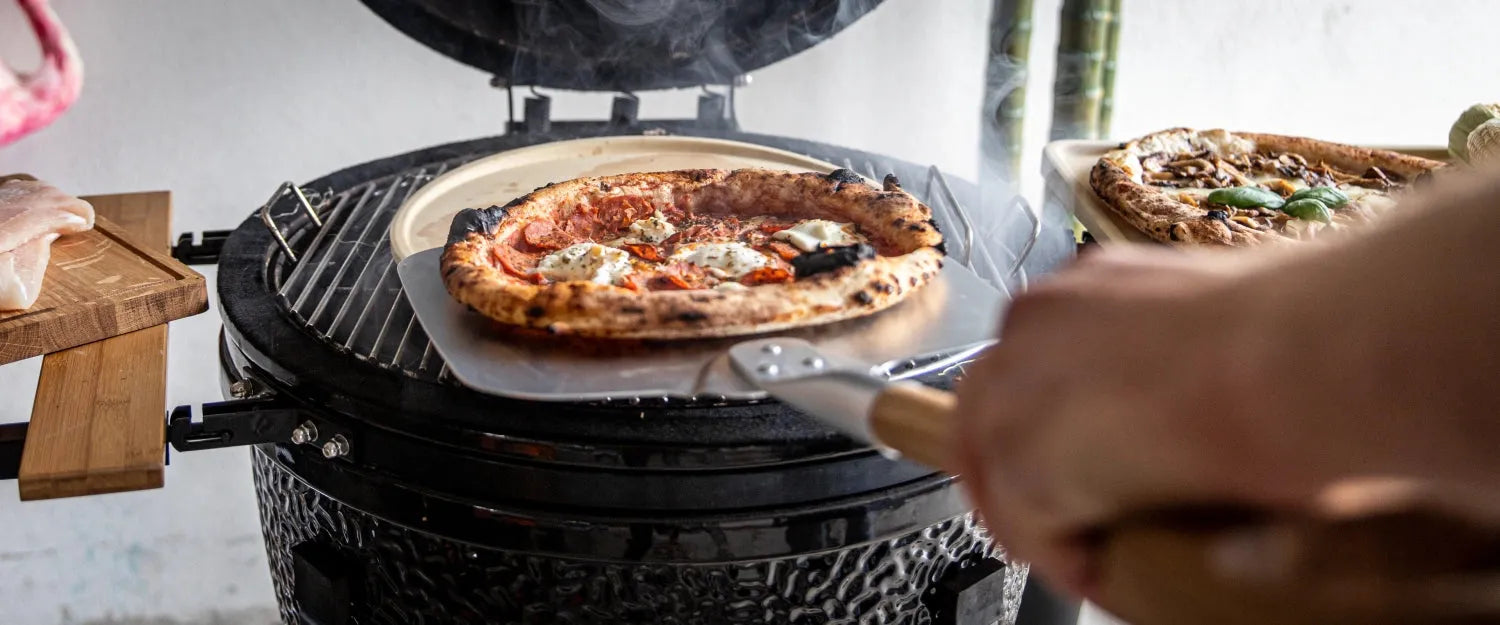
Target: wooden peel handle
[[1157, 569]]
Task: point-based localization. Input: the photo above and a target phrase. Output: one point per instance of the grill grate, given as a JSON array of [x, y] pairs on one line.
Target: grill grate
[[344, 289]]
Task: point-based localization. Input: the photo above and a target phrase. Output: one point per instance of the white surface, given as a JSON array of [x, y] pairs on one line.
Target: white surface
[[221, 100], [422, 221]]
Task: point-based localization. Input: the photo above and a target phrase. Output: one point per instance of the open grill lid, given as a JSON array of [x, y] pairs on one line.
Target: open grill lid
[[619, 45]]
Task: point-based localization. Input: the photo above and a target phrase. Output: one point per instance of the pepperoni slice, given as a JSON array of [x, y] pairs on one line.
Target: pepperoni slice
[[714, 231], [633, 282], [545, 235], [619, 211], [773, 227], [766, 275], [516, 263], [644, 251], [783, 249], [581, 226], [677, 277]]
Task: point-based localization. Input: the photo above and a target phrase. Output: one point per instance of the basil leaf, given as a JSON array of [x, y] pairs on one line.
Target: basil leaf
[[1246, 197], [1329, 196], [1310, 210]]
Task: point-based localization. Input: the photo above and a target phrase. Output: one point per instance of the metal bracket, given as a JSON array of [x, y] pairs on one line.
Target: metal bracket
[[233, 423], [713, 109], [537, 116], [625, 110], [796, 373], [305, 205], [201, 248], [971, 592], [12, 443]]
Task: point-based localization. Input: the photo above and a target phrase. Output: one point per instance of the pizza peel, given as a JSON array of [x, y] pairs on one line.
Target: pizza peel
[[944, 323], [1405, 561]]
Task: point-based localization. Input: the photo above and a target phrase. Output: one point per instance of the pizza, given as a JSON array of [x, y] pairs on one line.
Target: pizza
[[692, 254], [1215, 187]]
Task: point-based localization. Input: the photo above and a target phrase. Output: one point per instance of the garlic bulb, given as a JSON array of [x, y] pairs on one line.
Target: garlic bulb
[[1484, 144], [1458, 136]]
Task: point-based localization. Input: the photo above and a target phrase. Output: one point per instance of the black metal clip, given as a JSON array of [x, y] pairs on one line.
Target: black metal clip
[[625, 110], [713, 111], [233, 423], [190, 251], [12, 442], [971, 592]]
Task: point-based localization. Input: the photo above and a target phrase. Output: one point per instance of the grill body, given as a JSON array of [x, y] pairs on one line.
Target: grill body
[[448, 506], [396, 574]]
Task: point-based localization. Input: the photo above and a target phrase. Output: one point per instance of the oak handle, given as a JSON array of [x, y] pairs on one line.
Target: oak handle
[[914, 420]]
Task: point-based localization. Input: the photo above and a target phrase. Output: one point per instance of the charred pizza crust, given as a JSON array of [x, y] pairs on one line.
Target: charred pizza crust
[[1160, 214], [900, 227]]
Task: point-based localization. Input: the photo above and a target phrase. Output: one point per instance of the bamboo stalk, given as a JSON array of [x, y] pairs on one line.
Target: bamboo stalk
[[1111, 53], [1005, 89], [1078, 91]]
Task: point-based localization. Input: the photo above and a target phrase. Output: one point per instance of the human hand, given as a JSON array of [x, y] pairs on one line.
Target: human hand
[[1131, 380], [1306, 378]]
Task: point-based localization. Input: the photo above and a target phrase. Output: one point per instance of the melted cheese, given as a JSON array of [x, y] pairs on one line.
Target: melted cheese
[[1304, 230], [732, 260], [585, 262], [812, 234], [731, 286], [653, 229]]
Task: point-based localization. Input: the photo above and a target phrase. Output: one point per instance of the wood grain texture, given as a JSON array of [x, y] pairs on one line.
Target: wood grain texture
[[97, 426], [915, 419], [104, 283]]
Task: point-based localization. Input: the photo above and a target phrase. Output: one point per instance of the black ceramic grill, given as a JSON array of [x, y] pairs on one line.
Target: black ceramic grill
[[390, 493], [377, 474]]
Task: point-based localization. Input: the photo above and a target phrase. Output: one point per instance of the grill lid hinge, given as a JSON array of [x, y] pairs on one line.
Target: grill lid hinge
[[235, 423], [200, 248]]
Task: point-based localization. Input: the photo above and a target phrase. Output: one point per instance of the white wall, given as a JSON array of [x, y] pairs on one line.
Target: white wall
[[219, 101]]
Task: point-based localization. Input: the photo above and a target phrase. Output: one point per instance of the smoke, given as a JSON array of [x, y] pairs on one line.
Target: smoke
[[632, 45], [633, 12]]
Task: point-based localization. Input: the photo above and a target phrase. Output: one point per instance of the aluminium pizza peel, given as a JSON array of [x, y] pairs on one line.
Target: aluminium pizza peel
[[943, 323]]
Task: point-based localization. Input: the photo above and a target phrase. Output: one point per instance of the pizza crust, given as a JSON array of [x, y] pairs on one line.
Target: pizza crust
[[1160, 215], [900, 227]]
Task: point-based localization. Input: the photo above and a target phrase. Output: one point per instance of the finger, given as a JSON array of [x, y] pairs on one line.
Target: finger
[[999, 417]]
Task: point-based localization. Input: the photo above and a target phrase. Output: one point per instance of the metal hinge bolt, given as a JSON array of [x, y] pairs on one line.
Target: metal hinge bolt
[[336, 446], [243, 389], [305, 433]]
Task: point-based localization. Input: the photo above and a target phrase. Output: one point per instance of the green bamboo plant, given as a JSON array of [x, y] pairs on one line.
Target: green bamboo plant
[[1078, 90], [1111, 53], [1010, 49]]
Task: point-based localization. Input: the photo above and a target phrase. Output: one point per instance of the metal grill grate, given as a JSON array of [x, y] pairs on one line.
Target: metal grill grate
[[344, 289]]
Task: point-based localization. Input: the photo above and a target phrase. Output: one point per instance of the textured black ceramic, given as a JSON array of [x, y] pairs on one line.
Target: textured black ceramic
[[622, 45], [332, 563], [449, 506]]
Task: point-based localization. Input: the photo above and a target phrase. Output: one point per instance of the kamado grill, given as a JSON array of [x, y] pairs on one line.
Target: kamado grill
[[391, 493]]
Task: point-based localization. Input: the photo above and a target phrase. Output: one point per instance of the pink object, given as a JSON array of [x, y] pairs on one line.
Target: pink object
[[32, 215], [31, 101]]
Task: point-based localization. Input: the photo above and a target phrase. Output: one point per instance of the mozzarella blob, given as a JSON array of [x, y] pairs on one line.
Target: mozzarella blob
[[812, 234], [732, 260], [653, 229], [585, 262]]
